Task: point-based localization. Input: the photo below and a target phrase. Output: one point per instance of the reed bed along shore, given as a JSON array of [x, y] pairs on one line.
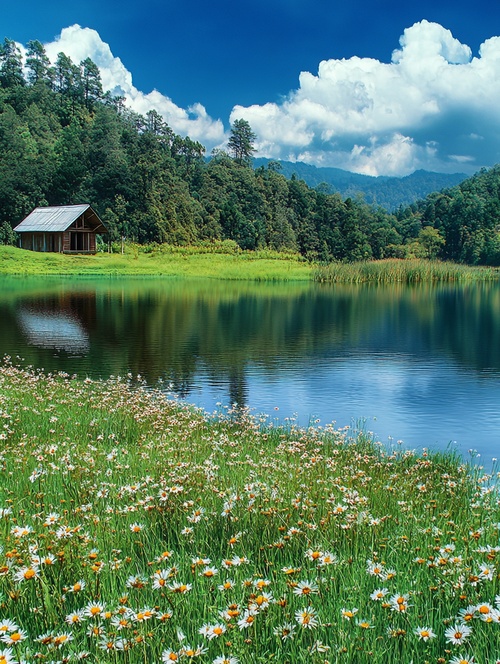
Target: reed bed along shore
[[137, 529], [408, 271]]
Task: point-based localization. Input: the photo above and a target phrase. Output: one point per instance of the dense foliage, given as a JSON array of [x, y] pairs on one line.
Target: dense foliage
[[388, 192], [467, 217], [63, 141]]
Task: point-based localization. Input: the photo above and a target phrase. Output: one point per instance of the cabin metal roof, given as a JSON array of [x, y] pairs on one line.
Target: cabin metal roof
[[53, 219]]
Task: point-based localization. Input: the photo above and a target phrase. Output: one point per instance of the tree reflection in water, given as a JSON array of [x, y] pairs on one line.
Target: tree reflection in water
[[185, 333]]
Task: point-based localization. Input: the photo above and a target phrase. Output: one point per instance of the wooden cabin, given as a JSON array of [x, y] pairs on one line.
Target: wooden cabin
[[66, 229]]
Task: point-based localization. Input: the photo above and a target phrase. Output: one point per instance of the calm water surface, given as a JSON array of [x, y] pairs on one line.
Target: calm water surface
[[418, 364]]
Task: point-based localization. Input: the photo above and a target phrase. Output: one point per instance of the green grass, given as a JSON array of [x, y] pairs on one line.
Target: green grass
[[168, 521], [166, 261], [224, 261], [408, 271]]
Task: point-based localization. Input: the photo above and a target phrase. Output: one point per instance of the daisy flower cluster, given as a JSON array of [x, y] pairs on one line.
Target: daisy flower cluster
[[138, 529]]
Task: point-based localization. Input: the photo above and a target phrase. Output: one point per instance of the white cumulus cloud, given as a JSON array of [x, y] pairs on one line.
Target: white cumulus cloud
[[434, 106], [80, 43]]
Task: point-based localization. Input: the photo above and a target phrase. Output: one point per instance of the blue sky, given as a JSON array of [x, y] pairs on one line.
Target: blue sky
[[378, 87]]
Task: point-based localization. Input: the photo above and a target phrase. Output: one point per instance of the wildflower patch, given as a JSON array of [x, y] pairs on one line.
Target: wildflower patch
[[138, 529]]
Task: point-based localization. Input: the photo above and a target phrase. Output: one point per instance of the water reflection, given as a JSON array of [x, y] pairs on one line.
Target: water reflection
[[418, 359], [56, 330]]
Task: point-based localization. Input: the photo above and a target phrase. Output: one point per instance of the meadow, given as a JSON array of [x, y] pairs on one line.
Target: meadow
[[135, 528], [224, 260], [215, 261]]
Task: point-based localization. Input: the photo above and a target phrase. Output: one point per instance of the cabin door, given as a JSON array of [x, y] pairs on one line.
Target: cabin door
[[79, 241]]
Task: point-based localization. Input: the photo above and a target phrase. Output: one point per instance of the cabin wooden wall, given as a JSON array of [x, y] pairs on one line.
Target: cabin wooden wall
[[56, 242], [66, 242], [50, 242]]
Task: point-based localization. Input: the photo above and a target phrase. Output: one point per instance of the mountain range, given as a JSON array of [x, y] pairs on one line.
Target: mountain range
[[385, 191]]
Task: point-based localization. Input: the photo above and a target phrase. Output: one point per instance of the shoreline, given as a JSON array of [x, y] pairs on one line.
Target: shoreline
[[144, 518], [196, 262]]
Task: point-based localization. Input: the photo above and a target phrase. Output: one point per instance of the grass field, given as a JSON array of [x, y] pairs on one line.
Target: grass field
[[137, 529], [224, 262], [171, 261]]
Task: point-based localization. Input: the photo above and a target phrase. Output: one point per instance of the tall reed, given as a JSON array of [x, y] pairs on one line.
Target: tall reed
[[407, 271]]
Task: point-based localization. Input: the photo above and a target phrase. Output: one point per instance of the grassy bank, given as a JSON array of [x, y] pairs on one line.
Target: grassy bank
[[169, 262], [224, 262], [408, 271], [135, 529]]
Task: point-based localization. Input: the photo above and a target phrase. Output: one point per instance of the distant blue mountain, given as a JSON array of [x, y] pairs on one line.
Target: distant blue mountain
[[387, 192]]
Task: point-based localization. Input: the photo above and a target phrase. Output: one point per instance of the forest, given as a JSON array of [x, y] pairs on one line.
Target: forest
[[64, 141], [388, 191]]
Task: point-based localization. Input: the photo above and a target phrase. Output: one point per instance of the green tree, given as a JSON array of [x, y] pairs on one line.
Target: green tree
[[67, 74], [279, 232], [70, 164], [11, 65], [91, 83], [240, 144], [432, 241], [68, 83], [37, 63], [357, 247], [7, 235]]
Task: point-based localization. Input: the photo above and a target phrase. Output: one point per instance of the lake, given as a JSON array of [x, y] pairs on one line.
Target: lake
[[419, 366]]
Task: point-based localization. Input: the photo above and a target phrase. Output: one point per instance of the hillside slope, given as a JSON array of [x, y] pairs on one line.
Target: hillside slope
[[388, 192]]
